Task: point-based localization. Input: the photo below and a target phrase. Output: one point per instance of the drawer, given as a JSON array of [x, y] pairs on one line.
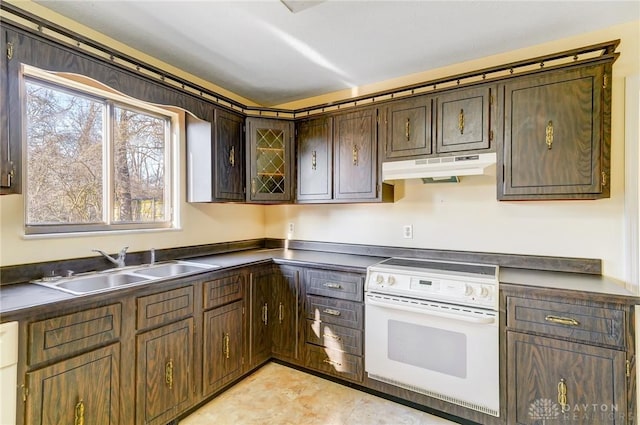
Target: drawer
[[72, 333], [348, 286], [164, 307], [592, 324], [334, 337], [223, 290], [338, 312], [333, 362]]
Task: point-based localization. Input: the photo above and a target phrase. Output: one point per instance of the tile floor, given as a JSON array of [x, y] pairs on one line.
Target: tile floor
[[279, 395]]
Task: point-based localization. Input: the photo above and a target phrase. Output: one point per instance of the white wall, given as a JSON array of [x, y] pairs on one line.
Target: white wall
[[467, 216]]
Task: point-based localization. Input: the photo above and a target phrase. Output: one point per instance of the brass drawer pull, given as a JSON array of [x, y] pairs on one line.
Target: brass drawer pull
[[562, 320], [337, 338], [333, 285], [314, 162], [549, 135], [79, 413], [354, 153], [168, 374], [226, 345], [265, 314], [331, 311], [331, 362], [562, 394], [407, 130], [232, 156], [461, 121], [280, 313]]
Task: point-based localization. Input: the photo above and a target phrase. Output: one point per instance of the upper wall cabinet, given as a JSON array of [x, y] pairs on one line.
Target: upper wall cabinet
[[557, 135], [215, 157], [314, 147], [269, 157], [10, 134], [408, 128], [464, 119]]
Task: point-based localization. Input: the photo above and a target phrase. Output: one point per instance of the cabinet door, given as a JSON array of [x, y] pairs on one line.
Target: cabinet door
[[260, 335], [229, 158], [315, 159], [83, 388], [408, 126], [15, 50], [164, 374], [284, 322], [463, 120], [355, 140], [222, 348], [269, 159], [554, 380], [554, 136]]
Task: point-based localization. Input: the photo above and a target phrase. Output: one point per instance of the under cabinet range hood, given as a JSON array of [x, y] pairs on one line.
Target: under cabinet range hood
[[440, 168]]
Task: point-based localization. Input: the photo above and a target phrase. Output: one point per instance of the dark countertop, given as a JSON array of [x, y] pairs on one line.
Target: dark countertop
[[24, 296]]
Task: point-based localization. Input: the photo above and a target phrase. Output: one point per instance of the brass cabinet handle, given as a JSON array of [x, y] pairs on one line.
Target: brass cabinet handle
[[333, 285], [10, 50], [461, 121], [562, 394], [355, 155], [313, 160], [168, 373], [331, 311], [280, 313], [225, 345], [562, 320], [265, 314], [549, 135], [232, 156], [79, 413], [332, 362], [337, 338], [407, 129], [253, 186]]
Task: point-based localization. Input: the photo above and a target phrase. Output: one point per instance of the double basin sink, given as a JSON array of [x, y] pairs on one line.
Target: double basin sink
[[117, 278]]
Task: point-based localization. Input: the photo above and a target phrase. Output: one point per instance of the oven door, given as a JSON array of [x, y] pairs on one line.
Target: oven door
[[436, 349]]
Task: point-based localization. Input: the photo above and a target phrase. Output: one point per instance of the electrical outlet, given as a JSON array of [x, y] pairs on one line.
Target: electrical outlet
[[407, 231], [292, 228]]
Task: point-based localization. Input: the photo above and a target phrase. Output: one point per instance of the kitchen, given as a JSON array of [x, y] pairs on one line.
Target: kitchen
[[460, 217]]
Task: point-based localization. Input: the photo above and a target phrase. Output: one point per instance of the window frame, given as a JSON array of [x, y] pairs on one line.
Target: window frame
[[87, 87]]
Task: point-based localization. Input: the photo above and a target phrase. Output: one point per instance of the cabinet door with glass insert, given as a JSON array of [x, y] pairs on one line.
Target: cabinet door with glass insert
[[269, 159]]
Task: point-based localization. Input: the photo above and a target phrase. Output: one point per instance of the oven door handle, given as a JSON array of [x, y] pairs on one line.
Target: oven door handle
[[475, 320]]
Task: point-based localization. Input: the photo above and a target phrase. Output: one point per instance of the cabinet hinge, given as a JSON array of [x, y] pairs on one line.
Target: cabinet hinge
[[491, 136], [628, 368], [10, 50], [604, 179], [243, 311], [605, 80], [25, 393], [491, 100]]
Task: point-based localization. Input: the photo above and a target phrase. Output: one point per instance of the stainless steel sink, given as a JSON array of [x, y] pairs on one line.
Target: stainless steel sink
[[99, 282], [118, 278], [172, 269]]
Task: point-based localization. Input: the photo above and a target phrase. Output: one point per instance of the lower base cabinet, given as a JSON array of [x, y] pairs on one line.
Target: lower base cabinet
[[565, 382], [80, 390], [222, 346], [164, 378]]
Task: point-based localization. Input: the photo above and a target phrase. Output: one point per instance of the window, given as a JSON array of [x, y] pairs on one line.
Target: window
[[94, 161]]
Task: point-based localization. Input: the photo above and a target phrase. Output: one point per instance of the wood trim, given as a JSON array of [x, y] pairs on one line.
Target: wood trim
[[632, 181]]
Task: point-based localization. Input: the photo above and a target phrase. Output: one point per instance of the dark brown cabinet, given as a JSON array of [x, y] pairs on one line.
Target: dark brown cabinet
[[285, 313], [565, 382], [260, 331], [164, 375], [222, 346], [464, 120], [408, 128], [314, 142], [556, 135], [229, 161], [356, 160], [269, 158], [223, 331], [82, 389]]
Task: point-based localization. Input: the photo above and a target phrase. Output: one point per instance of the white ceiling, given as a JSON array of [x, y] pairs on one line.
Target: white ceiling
[[264, 52]]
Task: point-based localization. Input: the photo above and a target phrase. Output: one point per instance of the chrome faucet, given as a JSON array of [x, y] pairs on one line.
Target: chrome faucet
[[119, 261]]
